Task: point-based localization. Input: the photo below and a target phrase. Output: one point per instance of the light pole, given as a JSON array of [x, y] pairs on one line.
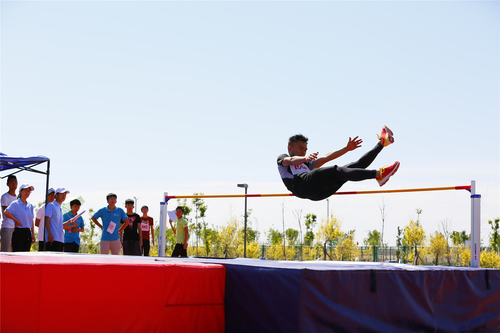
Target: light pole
[[327, 210], [245, 186], [135, 205]]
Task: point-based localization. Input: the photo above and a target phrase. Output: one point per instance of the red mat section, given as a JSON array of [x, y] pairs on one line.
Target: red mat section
[[82, 293]]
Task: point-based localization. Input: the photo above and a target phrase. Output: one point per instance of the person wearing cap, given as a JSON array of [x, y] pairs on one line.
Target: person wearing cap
[[111, 216], [132, 235], [8, 224], [21, 212], [72, 235], [40, 216], [54, 225]]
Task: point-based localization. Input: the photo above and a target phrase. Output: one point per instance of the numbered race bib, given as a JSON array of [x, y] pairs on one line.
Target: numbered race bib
[[111, 227], [298, 169], [144, 226]]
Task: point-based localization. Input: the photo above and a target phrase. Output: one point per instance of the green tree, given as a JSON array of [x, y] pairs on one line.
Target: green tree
[[459, 238], [291, 236], [183, 204], [274, 237], [310, 223], [252, 235], [309, 238], [373, 239], [495, 236]]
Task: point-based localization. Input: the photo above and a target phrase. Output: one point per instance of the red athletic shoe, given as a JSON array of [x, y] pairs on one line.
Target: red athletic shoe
[[386, 136], [386, 173]]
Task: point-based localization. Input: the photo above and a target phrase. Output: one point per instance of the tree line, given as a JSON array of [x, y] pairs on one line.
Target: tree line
[[328, 242]]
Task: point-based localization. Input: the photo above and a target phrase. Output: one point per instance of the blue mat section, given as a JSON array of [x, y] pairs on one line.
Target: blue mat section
[[261, 299], [371, 299]]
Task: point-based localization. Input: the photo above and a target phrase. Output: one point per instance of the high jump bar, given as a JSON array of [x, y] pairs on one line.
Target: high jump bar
[[465, 187]]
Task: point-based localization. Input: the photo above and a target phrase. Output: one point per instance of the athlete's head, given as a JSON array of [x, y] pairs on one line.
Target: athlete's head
[[297, 145]]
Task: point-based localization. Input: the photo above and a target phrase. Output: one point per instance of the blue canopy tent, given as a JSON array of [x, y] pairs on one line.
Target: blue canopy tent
[[18, 164], [22, 164]]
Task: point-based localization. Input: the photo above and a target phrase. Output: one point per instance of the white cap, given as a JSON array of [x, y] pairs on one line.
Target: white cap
[[51, 190], [26, 186], [62, 190]]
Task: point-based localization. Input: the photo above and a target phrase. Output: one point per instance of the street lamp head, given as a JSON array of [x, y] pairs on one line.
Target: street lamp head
[[243, 185]]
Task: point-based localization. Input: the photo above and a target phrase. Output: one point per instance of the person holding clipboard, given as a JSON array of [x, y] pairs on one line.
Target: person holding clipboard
[[72, 235], [181, 233]]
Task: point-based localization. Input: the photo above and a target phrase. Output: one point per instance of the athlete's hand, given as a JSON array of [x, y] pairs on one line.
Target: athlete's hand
[[354, 143], [312, 157]]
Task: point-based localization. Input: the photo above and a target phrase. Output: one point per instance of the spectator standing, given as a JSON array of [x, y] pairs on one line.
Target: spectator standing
[[40, 217], [72, 235], [181, 233], [21, 212], [54, 225], [132, 235], [8, 224], [147, 224], [111, 216]]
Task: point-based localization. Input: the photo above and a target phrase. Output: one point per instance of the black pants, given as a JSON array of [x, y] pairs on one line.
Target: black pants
[[145, 247], [41, 246], [131, 248], [21, 240], [71, 247], [323, 182], [179, 251], [54, 246]]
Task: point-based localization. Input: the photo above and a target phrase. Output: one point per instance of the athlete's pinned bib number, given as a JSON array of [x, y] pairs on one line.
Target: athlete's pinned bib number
[[111, 227], [297, 169]]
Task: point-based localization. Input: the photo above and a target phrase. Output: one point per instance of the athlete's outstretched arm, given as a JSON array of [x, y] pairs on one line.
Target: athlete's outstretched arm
[[351, 145], [296, 160]]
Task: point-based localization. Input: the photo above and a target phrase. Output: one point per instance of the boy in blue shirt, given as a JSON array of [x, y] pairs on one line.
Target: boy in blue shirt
[[72, 235], [111, 216]]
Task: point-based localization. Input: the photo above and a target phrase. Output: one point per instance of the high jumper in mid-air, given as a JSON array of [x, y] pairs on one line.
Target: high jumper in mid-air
[[305, 177]]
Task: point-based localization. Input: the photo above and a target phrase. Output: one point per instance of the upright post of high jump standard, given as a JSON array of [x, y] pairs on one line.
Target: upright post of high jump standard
[[475, 230], [163, 224]]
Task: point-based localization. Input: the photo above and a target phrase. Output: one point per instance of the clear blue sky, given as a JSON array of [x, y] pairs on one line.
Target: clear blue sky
[[141, 98]]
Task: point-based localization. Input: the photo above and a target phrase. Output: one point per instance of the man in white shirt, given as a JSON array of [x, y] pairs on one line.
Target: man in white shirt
[[40, 220], [54, 226], [8, 224]]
